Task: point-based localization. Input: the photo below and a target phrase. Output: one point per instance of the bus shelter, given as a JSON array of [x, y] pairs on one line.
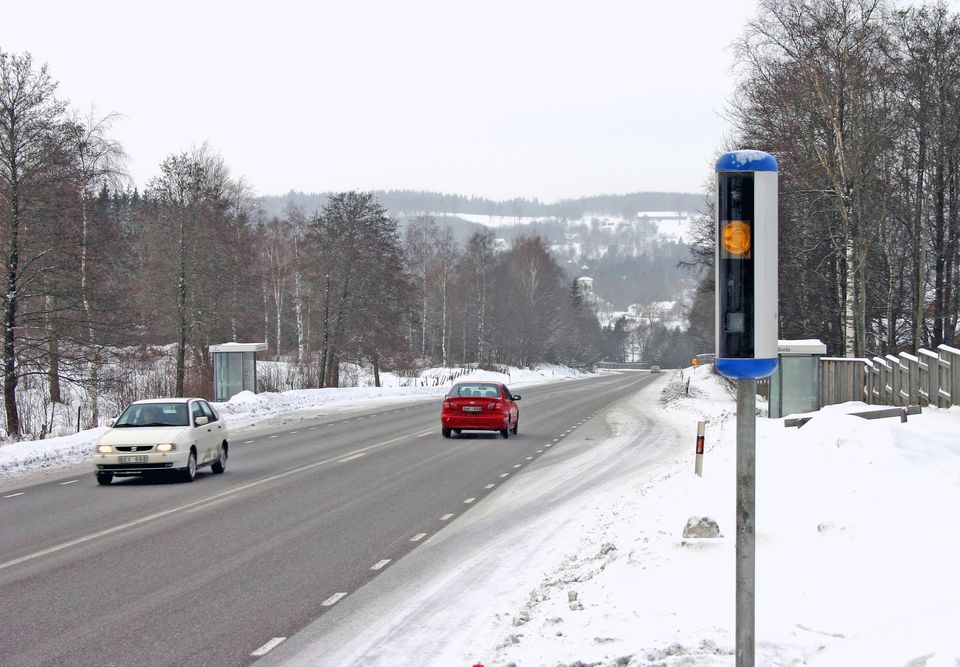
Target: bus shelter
[[234, 368]]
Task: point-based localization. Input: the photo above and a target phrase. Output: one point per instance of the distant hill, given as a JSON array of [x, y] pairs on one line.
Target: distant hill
[[410, 202], [634, 259]]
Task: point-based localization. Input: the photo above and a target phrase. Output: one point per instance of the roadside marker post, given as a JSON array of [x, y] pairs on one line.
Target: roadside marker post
[[746, 263], [698, 466]]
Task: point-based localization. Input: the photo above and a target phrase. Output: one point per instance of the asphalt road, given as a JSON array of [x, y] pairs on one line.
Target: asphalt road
[[152, 572]]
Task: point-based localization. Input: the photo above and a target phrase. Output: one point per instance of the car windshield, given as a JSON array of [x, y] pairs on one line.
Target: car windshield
[[476, 389], [154, 414]]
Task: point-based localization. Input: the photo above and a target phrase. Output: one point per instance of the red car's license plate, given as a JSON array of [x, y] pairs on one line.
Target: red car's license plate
[[472, 408]]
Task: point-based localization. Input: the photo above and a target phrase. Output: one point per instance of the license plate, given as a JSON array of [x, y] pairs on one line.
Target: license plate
[[133, 459], [472, 408]]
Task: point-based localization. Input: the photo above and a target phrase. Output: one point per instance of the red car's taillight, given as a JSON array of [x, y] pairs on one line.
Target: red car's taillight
[[447, 405], [495, 406]]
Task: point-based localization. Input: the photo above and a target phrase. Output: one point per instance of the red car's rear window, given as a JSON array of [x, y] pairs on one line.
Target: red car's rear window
[[479, 389]]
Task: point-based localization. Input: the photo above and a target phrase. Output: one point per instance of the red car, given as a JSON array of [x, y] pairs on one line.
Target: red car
[[479, 406]]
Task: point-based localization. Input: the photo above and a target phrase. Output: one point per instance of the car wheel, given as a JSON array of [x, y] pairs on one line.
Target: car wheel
[[221, 463], [104, 478], [190, 472], [505, 433], [516, 426], [445, 432]]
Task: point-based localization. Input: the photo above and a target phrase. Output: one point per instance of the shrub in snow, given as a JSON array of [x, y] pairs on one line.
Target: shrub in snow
[[701, 526]]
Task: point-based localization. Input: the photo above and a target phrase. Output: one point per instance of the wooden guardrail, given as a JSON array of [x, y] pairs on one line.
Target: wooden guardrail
[[926, 378]]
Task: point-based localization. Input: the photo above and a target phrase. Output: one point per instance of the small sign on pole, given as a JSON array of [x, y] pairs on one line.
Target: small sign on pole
[[698, 466]]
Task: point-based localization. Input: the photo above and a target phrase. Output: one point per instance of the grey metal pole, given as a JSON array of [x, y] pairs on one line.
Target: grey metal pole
[[746, 507]]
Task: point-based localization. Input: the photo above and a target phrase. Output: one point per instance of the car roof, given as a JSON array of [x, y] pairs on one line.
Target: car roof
[[462, 382], [178, 399]]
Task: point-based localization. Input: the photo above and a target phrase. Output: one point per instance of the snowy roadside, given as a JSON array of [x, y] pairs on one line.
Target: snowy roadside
[[248, 411], [856, 545]]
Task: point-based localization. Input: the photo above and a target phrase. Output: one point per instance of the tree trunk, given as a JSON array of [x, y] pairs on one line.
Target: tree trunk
[[182, 310], [53, 356]]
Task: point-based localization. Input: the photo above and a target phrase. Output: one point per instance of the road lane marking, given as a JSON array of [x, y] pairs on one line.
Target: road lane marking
[[14, 495], [446, 517], [351, 458], [517, 466], [333, 599], [529, 458], [489, 486], [382, 564], [269, 646], [203, 501], [539, 451], [274, 436], [418, 537], [468, 501], [313, 428], [248, 442], [506, 474], [72, 481], [549, 444]]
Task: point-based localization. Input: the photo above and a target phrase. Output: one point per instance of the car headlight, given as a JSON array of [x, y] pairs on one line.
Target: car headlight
[[166, 447], [104, 449]]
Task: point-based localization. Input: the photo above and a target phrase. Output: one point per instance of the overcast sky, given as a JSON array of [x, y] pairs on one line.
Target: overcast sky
[[546, 99]]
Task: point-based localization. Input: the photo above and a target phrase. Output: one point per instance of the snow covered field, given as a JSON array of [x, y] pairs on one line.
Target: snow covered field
[[857, 542]]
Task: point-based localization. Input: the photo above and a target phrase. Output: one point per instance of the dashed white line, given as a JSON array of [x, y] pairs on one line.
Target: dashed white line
[[418, 537], [274, 436], [446, 517], [382, 564], [539, 451], [549, 444], [72, 481], [313, 428], [517, 466], [506, 474], [529, 458], [556, 439], [468, 501], [248, 442], [269, 646], [14, 495], [292, 432], [489, 486], [333, 599]]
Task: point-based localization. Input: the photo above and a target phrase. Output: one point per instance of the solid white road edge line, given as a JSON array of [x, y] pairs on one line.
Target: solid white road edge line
[[72, 481]]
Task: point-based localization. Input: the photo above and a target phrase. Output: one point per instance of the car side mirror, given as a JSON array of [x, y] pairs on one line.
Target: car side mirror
[[201, 421], [111, 422], [516, 397]]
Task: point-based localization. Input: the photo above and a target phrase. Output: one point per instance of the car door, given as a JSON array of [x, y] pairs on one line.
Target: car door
[[511, 405], [217, 428], [202, 432]]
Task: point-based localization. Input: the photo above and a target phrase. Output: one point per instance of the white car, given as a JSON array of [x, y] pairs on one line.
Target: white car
[[178, 435]]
